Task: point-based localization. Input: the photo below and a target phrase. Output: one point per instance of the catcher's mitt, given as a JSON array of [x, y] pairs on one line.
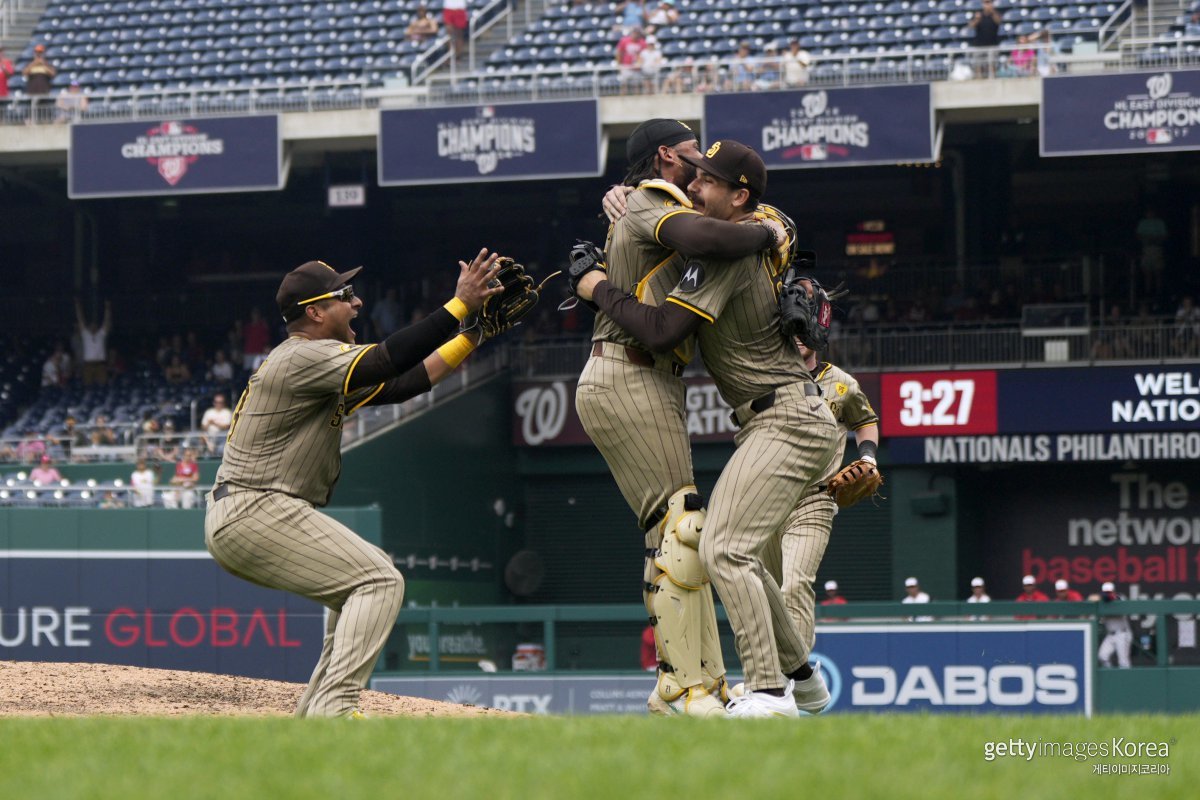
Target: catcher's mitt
[[585, 257], [502, 311], [854, 483]]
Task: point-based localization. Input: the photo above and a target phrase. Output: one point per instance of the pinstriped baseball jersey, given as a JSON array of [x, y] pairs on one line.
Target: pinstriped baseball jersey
[[845, 398], [742, 347], [287, 426], [638, 262]]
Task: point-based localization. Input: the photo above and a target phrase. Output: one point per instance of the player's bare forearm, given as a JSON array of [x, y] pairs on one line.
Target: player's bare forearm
[[660, 329], [696, 235]]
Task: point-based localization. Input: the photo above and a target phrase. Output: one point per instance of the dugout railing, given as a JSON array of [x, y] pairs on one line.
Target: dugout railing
[[1157, 612]]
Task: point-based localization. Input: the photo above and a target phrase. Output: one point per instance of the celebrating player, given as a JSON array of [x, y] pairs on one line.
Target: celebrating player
[[282, 460]]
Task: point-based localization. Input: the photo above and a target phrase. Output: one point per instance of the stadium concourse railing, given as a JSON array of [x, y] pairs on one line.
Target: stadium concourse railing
[[511, 83], [1005, 611]]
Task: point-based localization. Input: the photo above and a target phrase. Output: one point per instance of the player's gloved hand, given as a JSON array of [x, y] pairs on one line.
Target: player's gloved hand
[[585, 257], [514, 295], [856, 482], [614, 202]]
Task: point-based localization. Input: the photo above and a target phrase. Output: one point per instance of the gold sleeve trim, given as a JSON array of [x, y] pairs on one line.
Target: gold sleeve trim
[[366, 400], [640, 288], [692, 309], [353, 364]]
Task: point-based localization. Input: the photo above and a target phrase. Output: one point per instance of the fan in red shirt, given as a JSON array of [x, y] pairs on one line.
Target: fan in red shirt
[[1031, 594], [1064, 592], [649, 649]]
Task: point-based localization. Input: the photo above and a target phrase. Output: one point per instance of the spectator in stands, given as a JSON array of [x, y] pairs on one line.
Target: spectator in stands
[[454, 14], [742, 69], [978, 592], [1152, 233], [833, 597], [193, 353], [795, 64], [649, 658], [32, 447], [72, 436], [422, 28], [221, 370], [631, 16], [102, 434], [769, 73], [1110, 340], [986, 26], [1022, 61], [215, 422], [71, 104], [255, 336], [913, 594], [110, 500], [385, 316], [56, 369], [629, 49], [94, 341], [39, 73], [142, 481], [663, 14], [1030, 594], [6, 71], [1187, 326], [1065, 594], [682, 79], [234, 338], [45, 473], [187, 475], [116, 363], [260, 357], [712, 79], [650, 62], [176, 372]]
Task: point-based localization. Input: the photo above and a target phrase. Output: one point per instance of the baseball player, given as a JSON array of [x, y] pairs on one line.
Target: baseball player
[[282, 460], [733, 310], [1118, 636], [794, 563], [631, 403]]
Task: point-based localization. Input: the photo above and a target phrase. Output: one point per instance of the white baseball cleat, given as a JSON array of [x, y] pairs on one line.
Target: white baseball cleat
[[692, 702], [759, 705], [812, 695]]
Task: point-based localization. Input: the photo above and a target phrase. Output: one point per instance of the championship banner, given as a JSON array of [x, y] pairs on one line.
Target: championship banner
[[1133, 112], [175, 156], [1039, 668], [827, 127], [1113, 414], [168, 610], [472, 144]]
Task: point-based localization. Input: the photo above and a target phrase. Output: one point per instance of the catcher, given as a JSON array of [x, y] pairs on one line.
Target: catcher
[[795, 561]]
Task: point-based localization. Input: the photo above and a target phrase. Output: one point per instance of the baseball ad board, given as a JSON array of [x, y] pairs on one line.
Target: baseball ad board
[[169, 610], [470, 144], [1133, 112], [1048, 415], [827, 127], [175, 156], [1035, 668]]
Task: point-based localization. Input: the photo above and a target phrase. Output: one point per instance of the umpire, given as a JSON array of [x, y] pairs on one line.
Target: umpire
[[282, 459]]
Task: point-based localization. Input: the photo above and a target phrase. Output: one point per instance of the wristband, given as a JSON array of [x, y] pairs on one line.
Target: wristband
[[867, 450], [457, 308], [455, 351]]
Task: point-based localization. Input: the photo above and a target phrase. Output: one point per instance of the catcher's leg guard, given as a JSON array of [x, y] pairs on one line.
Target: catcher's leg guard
[[680, 602], [712, 663]]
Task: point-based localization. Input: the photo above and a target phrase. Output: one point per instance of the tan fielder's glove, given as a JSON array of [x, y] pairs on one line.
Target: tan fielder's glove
[[856, 482]]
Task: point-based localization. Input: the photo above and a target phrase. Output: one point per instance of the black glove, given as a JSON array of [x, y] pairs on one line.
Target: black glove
[[585, 257]]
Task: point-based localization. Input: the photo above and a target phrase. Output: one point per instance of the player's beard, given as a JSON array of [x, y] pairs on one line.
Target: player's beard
[[687, 174]]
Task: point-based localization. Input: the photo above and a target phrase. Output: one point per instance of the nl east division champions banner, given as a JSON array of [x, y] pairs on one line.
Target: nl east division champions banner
[[1144, 112], [1112, 414], [827, 127], [175, 156], [519, 141]]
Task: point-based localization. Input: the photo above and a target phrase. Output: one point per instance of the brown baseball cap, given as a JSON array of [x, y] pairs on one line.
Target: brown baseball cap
[[308, 281], [733, 162]]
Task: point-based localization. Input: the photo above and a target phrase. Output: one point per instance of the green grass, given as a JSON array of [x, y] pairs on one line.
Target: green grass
[[626, 758]]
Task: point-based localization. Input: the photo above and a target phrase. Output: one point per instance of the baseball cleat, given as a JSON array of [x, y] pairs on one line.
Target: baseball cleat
[[356, 713], [811, 694], [759, 705], [692, 702]]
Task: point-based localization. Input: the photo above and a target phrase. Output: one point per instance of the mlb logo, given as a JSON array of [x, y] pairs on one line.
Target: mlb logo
[[1158, 136], [814, 152]]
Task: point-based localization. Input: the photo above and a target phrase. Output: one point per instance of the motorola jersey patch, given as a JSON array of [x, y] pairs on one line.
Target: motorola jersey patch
[[692, 277]]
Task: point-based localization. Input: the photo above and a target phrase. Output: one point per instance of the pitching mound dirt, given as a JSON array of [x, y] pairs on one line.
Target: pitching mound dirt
[[46, 689]]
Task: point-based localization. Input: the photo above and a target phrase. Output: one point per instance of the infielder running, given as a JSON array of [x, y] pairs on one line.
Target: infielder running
[[787, 438], [282, 459], [794, 559], [631, 403]]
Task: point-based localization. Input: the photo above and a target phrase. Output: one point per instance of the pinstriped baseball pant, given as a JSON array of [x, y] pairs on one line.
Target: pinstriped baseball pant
[[282, 542], [635, 417], [781, 454], [793, 560]]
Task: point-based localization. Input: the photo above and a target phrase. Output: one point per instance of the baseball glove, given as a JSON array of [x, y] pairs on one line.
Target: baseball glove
[[585, 257], [856, 482], [502, 311]]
